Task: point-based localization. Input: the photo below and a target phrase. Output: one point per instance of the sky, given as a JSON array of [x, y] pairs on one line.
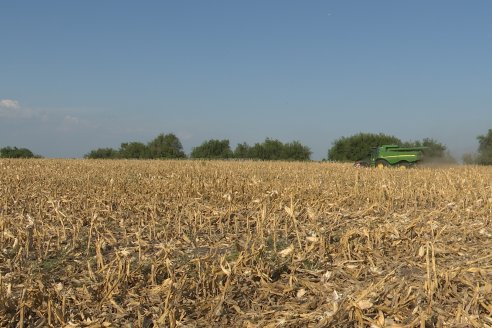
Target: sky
[[80, 75]]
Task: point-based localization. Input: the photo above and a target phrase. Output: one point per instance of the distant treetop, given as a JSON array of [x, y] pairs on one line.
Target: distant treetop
[[14, 152]]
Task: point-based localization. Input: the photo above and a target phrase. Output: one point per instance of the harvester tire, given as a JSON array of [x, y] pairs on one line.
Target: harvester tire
[[404, 165], [381, 163]]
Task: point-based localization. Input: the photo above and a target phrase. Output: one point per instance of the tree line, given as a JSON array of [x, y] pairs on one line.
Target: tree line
[[344, 149], [169, 146], [163, 146]]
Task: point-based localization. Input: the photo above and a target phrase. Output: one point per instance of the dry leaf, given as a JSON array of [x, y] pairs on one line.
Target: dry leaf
[[364, 304], [287, 251]]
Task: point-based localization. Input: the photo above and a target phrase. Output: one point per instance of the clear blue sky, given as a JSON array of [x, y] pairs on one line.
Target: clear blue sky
[[78, 75]]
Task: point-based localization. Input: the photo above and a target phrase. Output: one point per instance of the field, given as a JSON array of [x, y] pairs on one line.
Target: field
[[243, 244]]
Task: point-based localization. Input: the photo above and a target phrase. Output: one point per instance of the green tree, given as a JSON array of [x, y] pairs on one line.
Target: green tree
[[101, 153], [295, 151], [485, 149], [166, 146], [213, 149], [273, 149], [243, 150], [134, 149], [358, 146], [14, 152], [270, 149]]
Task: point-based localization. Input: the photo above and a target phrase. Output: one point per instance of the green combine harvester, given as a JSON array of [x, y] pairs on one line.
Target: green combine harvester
[[392, 155]]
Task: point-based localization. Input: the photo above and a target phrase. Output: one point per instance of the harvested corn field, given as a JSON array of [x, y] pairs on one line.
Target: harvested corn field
[[244, 244]]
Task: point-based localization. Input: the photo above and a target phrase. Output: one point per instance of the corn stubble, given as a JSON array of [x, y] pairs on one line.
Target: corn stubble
[[244, 244]]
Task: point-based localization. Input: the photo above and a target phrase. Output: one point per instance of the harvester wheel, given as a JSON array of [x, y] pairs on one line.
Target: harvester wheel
[[381, 163], [404, 165]]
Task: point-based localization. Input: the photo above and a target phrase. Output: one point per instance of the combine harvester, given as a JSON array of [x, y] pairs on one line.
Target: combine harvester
[[392, 155]]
